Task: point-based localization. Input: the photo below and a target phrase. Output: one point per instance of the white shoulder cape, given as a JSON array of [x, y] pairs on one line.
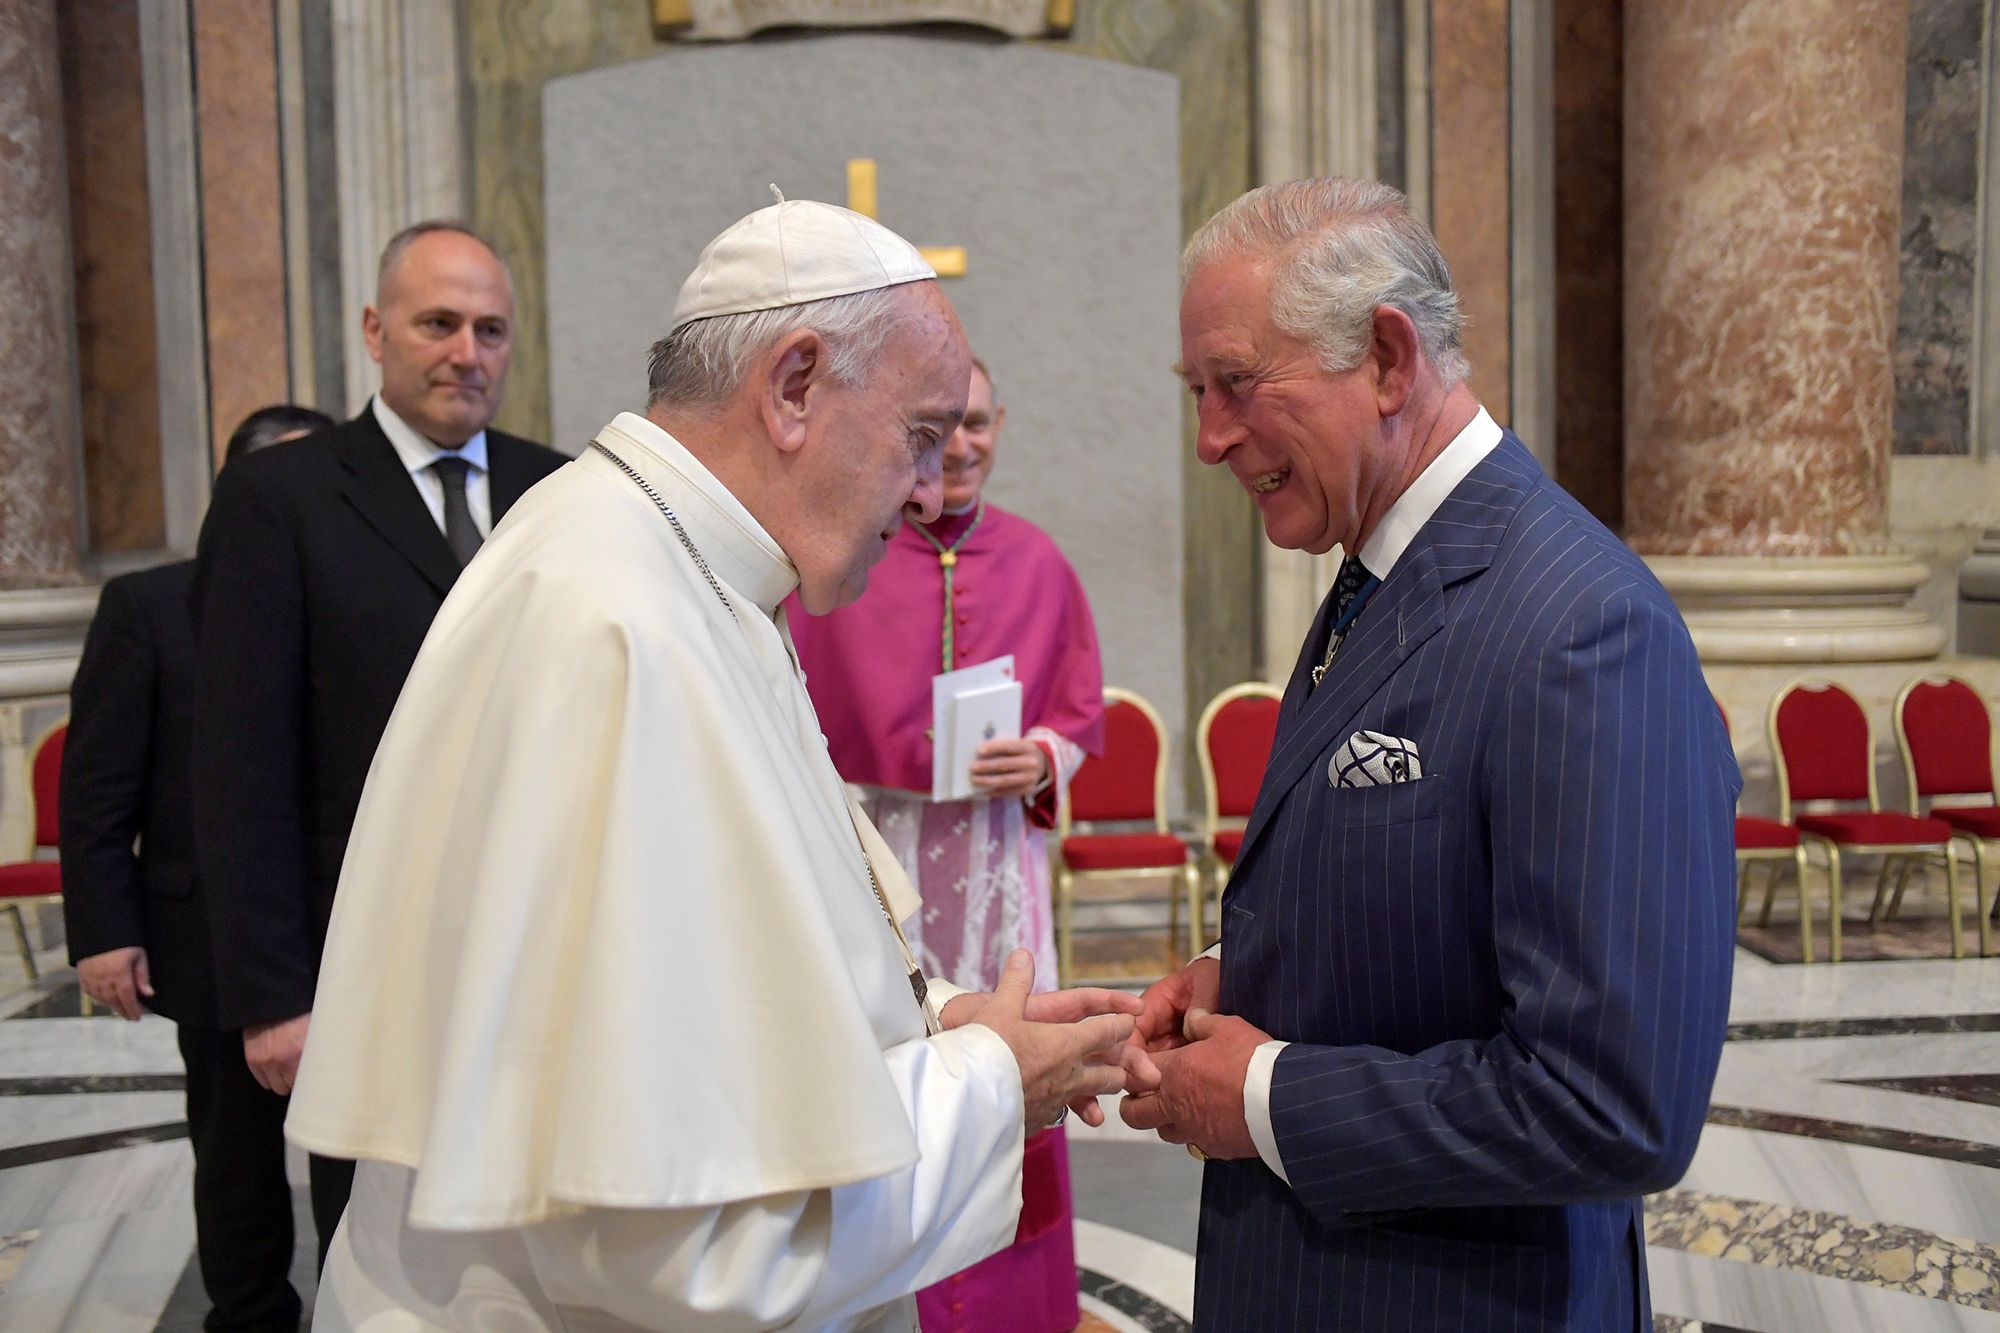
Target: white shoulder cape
[[604, 934]]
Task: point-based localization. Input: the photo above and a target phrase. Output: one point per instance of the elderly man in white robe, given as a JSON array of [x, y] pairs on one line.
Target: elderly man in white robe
[[616, 1014]]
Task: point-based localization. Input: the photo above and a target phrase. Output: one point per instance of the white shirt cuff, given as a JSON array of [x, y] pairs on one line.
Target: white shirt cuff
[[1212, 951], [942, 993], [1257, 1105]]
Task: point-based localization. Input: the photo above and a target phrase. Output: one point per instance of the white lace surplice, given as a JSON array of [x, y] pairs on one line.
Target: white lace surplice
[[983, 871]]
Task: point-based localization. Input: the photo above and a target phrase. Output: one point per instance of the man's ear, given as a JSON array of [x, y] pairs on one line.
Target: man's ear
[[999, 419], [1395, 354], [793, 373], [371, 331]]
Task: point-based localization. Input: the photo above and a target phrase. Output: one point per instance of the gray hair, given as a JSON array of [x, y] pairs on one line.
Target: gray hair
[[701, 363], [392, 253], [1344, 247]]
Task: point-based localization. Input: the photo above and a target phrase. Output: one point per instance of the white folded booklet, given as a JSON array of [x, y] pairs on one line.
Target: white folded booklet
[[968, 708]]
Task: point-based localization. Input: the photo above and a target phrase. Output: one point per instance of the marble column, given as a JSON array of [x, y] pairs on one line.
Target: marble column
[[1318, 113], [43, 604], [1763, 177], [38, 407], [398, 115]]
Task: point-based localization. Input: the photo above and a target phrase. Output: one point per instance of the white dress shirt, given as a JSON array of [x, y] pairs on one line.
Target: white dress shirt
[[419, 453], [1379, 554]]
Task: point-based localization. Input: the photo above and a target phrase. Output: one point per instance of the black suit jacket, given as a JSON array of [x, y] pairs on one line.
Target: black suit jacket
[[318, 574], [127, 813]]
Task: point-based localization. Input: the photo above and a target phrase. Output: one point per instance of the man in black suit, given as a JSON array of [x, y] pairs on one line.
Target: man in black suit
[[136, 927], [320, 568]]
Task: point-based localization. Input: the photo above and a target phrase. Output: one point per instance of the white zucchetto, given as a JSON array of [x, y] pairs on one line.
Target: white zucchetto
[[793, 252]]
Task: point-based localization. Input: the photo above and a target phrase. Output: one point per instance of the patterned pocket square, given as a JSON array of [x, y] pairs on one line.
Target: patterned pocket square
[[1371, 759]]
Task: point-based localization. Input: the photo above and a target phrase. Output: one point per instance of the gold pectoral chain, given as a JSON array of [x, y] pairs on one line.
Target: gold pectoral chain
[[918, 985]]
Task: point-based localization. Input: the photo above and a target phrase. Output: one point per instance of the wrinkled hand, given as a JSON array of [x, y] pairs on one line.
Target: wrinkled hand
[[1168, 1001], [1056, 1006], [1193, 1092], [272, 1051], [1063, 1063], [116, 979], [1006, 769]]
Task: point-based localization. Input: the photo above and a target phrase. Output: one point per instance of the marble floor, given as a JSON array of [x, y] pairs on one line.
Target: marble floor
[[1849, 1178]]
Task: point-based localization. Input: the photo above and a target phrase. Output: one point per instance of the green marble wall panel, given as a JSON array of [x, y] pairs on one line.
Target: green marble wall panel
[[512, 50]]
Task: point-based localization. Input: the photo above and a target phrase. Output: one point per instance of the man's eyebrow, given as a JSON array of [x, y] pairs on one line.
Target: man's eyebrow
[[1225, 361], [1179, 369]]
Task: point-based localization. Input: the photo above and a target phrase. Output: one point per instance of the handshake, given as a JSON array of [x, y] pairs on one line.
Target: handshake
[[1180, 1065]]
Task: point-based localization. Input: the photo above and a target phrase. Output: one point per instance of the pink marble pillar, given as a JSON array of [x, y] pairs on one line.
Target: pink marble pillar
[[38, 408], [1763, 177]]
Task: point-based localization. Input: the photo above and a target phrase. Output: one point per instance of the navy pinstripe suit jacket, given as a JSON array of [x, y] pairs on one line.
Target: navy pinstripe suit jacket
[[1505, 982]]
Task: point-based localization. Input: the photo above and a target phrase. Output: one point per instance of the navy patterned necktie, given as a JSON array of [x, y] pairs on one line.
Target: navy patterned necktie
[[1352, 587], [459, 529]]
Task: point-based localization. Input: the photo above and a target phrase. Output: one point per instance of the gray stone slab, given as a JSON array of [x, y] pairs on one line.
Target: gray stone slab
[[1059, 174]]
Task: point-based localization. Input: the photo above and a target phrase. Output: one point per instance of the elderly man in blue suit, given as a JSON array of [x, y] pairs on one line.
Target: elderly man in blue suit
[[1475, 956]]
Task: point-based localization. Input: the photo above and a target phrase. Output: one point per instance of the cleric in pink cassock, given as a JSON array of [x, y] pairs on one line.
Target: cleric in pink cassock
[[981, 865]]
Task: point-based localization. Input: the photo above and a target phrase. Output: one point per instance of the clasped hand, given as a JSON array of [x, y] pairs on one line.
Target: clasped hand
[[1004, 769], [1071, 1045], [1186, 1064]]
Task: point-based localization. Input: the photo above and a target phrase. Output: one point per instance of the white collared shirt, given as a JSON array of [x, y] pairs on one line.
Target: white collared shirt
[[1420, 503], [1415, 507], [418, 453]]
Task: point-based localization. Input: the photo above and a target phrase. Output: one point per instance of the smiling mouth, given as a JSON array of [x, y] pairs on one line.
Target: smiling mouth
[[1269, 481]]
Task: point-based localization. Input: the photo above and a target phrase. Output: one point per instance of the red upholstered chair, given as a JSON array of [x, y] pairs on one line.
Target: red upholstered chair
[[1127, 784], [1946, 736], [1824, 750], [1772, 843], [1233, 741], [35, 883]]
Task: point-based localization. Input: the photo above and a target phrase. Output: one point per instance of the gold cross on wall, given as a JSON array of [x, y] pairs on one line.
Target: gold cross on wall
[[948, 260]]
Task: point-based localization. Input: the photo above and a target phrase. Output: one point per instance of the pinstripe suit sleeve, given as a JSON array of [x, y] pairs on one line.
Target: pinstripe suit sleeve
[[1607, 791]]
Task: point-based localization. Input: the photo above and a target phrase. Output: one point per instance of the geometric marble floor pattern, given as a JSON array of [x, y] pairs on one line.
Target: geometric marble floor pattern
[[1848, 1179]]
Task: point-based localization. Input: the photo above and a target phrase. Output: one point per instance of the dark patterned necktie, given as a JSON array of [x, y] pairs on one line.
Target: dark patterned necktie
[[459, 529], [1351, 588]]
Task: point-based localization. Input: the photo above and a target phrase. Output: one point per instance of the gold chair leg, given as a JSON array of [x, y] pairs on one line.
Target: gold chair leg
[[1979, 896], [1805, 903], [1173, 928], [21, 938], [1881, 892], [1770, 896], [1211, 892], [1065, 933], [1904, 866], [1216, 891], [1951, 895], [1195, 880], [1198, 897], [1742, 887], [1833, 899]]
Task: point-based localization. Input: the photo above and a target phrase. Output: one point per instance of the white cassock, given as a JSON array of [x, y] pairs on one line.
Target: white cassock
[[609, 1011]]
